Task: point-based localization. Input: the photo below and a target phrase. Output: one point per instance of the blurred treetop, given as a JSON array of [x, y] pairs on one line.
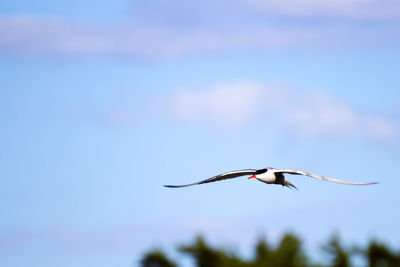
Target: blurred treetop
[[288, 253]]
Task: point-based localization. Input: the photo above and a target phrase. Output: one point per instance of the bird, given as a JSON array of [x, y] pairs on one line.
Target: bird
[[269, 176]]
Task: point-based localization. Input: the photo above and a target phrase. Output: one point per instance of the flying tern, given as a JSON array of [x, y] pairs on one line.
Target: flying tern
[[269, 176]]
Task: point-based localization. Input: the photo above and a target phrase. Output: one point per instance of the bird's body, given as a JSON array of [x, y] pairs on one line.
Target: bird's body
[[269, 176]]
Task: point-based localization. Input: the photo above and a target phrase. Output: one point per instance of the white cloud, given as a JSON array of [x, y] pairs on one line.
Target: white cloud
[[41, 36], [370, 9], [212, 31], [25, 35], [379, 128], [225, 105], [246, 103], [320, 113]]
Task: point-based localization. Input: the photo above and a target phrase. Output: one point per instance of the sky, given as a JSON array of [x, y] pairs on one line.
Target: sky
[[102, 103]]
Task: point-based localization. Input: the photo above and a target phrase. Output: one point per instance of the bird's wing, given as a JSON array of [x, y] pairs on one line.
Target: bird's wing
[[297, 172], [227, 175]]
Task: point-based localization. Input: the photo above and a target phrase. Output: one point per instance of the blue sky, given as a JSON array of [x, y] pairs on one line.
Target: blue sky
[[101, 104]]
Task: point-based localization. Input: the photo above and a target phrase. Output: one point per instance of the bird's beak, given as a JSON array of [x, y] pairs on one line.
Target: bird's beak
[[253, 176]]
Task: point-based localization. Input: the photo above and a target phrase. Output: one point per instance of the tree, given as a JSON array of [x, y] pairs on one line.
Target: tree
[[205, 256], [263, 253], [156, 259], [340, 257], [289, 252], [379, 255]]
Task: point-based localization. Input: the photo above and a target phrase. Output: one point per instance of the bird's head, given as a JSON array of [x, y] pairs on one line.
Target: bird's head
[[258, 172]]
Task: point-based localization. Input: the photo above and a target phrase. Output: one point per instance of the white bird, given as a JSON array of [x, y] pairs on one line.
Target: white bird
[[269, 176]]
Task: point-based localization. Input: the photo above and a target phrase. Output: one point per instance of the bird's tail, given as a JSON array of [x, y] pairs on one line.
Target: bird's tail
[[289, 184]]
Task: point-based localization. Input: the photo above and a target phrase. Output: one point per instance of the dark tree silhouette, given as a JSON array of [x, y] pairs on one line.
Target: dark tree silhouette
[[263, 253], [205, 256], [287, 253], [157, 259], [379, 255], [340, 257]]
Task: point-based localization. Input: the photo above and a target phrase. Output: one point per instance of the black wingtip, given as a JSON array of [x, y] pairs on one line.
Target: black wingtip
[[175, 186], [371, 183]]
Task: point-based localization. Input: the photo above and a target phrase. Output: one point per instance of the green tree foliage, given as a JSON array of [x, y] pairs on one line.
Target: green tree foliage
[[287, 253], [340, 256], [206, 256], [379, 255], [263, 253], [157, 259]]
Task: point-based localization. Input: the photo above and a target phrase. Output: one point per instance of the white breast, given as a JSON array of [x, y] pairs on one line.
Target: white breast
[[267, 177]]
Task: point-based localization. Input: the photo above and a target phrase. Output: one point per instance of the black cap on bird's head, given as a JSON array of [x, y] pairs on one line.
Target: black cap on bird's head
[[260, 171]]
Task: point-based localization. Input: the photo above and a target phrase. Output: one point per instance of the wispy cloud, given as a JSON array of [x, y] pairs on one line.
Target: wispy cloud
[[29, 35], [379, 127], [359, 9], [225, 105], [165, 29], [319, 112], [39, 36], [248, 103]]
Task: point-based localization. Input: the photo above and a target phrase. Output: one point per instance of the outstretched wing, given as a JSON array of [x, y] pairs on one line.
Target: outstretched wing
[[297, 172], [227, 175]]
